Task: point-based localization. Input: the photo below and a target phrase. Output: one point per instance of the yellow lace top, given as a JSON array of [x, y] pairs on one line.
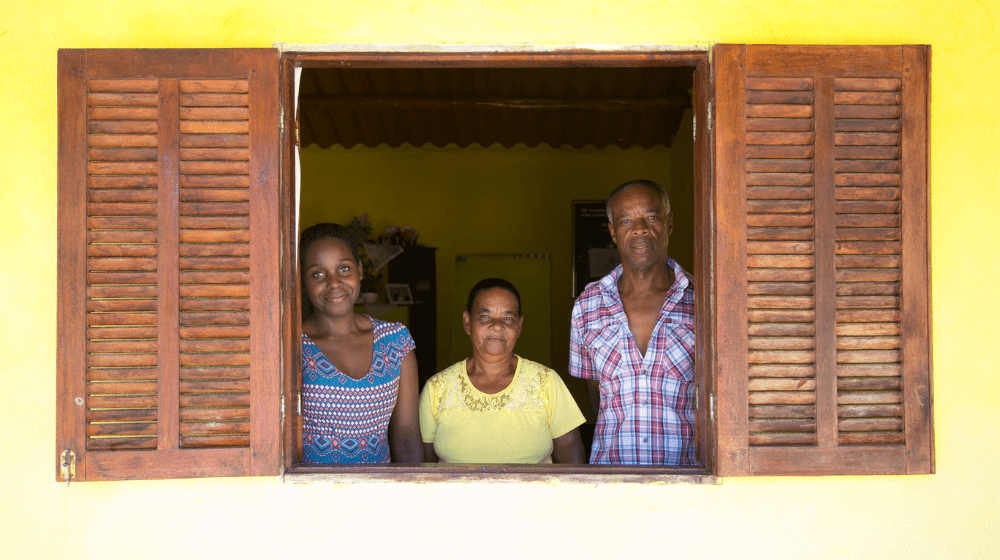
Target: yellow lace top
[[516, 425]]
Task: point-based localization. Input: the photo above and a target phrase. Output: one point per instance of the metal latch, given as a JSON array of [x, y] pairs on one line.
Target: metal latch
[[67, 465]]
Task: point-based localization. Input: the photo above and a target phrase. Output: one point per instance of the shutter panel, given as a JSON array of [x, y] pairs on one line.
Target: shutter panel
[[822, 252], [168, 283], [214, 263]]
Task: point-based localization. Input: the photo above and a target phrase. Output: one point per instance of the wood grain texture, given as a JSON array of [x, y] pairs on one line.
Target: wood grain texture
[[703, 272], [213, 304], [112, 140], [122, 370], [207, 232], [916, 320], [291, 316], [265, 277], [784, 460], [826, 387], [167, 265], [122, 93], [867, 187], [826, 196], [730, 257], [149, 86], [131, 180], [225, 113], [180, 463], [815, 60], [71, 323], [216, 141]]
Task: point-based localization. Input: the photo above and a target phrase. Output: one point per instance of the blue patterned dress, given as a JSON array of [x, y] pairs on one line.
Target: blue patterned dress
[[346, 420]]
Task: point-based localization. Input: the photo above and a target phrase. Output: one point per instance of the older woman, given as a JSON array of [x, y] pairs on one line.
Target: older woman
[[497, 407]]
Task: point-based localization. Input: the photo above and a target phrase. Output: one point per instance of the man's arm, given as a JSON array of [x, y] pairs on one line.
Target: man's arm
[[568, 448], [594, 392], [430, 456], [580, 364]]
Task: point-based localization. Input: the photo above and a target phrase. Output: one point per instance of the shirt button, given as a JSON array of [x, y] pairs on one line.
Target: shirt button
[[644, 440], [644, 372]]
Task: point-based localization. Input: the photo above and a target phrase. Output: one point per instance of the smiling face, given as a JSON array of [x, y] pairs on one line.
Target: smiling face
[[494, 323], [331, 277], [640, 226]]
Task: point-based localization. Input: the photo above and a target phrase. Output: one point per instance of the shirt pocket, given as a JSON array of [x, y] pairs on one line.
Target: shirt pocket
[[605, 346], [680, 349]]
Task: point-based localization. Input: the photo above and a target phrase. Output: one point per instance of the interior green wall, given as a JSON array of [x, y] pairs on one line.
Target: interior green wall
[[491, 200]]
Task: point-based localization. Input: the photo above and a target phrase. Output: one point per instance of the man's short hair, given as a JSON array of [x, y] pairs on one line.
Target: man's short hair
[[651, 185]]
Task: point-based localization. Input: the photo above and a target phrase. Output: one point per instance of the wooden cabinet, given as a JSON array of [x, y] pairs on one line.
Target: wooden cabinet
[[416, 268]]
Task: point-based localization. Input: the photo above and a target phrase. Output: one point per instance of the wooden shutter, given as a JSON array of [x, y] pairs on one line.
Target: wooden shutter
[[823, 299], [168, 304]]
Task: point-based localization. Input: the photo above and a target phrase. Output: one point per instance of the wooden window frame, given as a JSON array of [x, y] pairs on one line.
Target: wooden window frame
[[704, 312]]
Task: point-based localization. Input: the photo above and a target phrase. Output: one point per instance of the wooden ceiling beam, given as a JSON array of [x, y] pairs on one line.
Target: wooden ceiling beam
[[617, 104]]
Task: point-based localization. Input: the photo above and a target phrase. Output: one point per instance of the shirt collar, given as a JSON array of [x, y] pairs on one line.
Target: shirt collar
[[609, 284]]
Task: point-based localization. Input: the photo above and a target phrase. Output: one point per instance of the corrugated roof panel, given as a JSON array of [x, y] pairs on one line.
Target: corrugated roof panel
[[557, 106]]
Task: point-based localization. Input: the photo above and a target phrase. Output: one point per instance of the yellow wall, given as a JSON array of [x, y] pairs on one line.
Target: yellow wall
[[952, 514], [478, 200]]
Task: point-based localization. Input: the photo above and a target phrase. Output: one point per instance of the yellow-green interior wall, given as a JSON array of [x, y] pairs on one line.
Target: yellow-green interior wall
[[492, 200], [952, 514]]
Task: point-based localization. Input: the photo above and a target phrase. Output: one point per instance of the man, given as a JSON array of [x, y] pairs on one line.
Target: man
[[632, 339]]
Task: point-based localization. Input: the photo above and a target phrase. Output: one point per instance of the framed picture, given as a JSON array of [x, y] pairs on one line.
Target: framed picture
[[398, 294], [594, 253]]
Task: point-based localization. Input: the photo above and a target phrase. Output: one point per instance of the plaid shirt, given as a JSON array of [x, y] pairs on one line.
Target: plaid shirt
[[647, 412]]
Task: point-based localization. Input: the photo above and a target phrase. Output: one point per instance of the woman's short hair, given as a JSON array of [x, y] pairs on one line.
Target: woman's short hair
[[312, 234], [489, 284]]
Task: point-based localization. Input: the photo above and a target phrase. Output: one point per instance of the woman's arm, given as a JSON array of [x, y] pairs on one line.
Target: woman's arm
[[404, 425], [568, 448]]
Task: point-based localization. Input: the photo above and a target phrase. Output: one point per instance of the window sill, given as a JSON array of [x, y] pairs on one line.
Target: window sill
[[439, 473]]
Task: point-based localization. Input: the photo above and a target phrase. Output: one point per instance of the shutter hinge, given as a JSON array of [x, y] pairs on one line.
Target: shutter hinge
[[281, 119], [282, 408], [708, 117], [711, 406], [67, 466], [697, 399], [298, 410]]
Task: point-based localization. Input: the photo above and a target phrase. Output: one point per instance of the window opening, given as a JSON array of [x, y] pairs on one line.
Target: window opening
[[460, 153]]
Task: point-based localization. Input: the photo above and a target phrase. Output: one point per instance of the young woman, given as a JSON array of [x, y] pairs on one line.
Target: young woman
[[359, 374]]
